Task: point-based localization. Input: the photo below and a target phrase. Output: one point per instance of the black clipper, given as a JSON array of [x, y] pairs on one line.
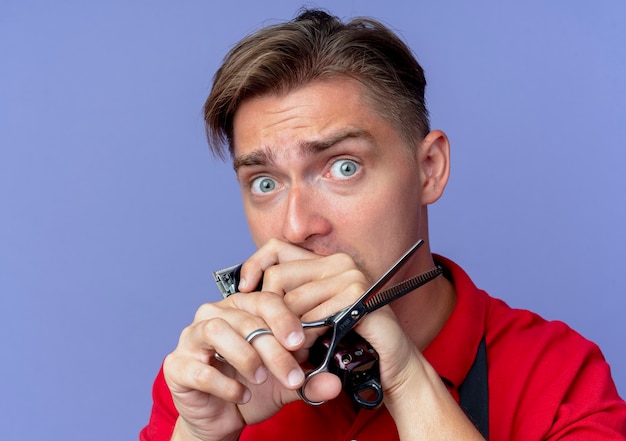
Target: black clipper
[[355, 362]]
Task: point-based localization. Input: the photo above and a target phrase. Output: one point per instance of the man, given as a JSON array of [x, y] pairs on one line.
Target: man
[[330, 141]]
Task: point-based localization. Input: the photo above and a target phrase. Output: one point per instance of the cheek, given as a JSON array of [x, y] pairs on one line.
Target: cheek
[[392, 218], [394, 197]]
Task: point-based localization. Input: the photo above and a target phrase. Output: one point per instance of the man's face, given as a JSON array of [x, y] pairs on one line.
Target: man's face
[[319, 168]]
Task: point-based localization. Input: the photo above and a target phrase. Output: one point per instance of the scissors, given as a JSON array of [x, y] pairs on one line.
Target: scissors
[[343, 321]]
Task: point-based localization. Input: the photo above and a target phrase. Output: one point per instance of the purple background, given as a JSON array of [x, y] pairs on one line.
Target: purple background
[[113, 213]]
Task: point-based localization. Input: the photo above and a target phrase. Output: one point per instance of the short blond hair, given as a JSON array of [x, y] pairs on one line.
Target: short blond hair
[[315, 45]]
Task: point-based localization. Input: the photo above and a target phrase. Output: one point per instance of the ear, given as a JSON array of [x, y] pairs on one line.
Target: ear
[[433, 156]]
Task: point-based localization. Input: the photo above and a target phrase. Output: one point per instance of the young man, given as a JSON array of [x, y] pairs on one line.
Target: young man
[[330, 141]]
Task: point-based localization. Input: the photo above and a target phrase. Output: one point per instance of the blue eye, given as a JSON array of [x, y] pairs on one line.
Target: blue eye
[[263, 184], [344, 168]]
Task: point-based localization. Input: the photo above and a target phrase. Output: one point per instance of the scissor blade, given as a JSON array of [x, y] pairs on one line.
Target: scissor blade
[[395, 292], [346, 318], [393, 269]]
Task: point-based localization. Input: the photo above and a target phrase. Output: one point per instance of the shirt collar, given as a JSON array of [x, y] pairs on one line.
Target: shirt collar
[[453, 350]]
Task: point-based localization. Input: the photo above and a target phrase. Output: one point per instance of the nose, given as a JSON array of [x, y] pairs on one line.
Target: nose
[[306, 216]]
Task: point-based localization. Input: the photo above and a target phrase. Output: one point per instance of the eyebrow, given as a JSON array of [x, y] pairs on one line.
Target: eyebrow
[[266, 155]]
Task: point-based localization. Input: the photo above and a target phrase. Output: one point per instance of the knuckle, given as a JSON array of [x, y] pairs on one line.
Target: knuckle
[[169, 363], [212, 326], [184, 334], [344, 260], [268, 300], [273, 244], [291, 298], [274, 309], [202, 376], [272, 274], [357, 279], [174, 370], [205, 311], [354, 274]]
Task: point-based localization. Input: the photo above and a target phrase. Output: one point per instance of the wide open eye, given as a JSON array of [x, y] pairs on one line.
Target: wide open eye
[[344, 168], [263, 185]]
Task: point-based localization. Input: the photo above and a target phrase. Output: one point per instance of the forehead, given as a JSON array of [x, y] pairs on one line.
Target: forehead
[[314, 110]]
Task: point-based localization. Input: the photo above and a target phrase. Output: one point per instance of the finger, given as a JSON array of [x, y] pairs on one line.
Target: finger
[[281, 363], [242, 357], [394, 347], [287, 276], [272, 253], [322, 387], [227, 334], [318, 299], [256, 358], [184, 374], [247, 313], [274, 313], [383, 331], [203, 339]]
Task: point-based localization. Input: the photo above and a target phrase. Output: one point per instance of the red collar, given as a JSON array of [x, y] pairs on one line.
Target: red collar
[[453, 350]]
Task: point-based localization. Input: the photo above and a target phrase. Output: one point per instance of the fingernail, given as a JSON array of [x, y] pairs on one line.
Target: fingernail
[[246, 396], [295, 377], [242, 284], [260, 375], [295, 338]]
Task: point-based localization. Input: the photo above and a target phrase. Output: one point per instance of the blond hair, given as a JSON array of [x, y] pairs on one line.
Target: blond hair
[[315, 45]]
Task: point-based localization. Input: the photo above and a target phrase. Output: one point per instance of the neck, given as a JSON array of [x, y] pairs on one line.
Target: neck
[[423, 312]]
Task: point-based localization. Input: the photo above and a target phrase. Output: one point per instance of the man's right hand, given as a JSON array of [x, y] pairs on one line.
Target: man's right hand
[[216, 399]]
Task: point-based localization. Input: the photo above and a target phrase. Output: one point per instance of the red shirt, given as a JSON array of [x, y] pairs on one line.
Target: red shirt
[[545, 382]]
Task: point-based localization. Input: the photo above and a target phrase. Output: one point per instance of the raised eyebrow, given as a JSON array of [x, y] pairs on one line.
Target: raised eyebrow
[[317, 146], [262, 156], [266, 155]]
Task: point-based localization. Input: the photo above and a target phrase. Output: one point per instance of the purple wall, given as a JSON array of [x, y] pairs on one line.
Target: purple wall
[[113, 214]]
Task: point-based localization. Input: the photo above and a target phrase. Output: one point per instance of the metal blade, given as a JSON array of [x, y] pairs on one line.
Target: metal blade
[[395, 292]]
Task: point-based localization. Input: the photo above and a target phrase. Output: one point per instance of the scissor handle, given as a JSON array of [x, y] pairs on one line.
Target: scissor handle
[[327, 346], [354, 361], [368, 395], [322, 368]]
